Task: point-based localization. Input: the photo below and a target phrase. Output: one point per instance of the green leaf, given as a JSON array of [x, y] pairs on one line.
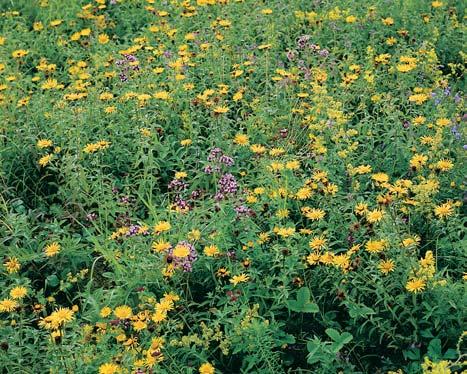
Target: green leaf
[[302, 304], [357, 311], [434, 349], [52, 280], [339, 339]]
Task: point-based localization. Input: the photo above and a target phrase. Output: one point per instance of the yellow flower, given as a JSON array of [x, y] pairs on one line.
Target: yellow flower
[[44, 143], [52, 249], [258, 148], [236, 279], [386, 266], [19, 53], [105, 312], [109, 368], [418, 98], [418, 161], [211, 250], [313, 258], [12, 265], [282, 213], [241, 139], [444, 210], [444, 165], [123, 312], [8, 305], [103, 38], [186, 142], [388, 21], [61, 316], [181, 251], [162, 95], [380, 178], [317, 242], [292, 165], [45, 160], [375, 246], [221, 109], [161, 246], [206, 368], [139, 325], [313, 213], [55, 22], [415, 285], [162, 226], [18, 292], [374, 216]]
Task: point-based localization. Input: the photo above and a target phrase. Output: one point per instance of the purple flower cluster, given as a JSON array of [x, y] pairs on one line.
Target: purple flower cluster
[[136, 230], [184, 263], [129, 62], [177, 185], [303, 42], [218, 158], [227, 186], [244, 211]]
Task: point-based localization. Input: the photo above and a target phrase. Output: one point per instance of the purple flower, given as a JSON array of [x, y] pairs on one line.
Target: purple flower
[[455, 132], [226, 160], [227, 184], [302, 41], [214, 154], [177, 185]]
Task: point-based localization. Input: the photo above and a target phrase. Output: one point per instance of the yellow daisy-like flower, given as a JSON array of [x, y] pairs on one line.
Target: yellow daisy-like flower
[[161, 227], [61, 316], [18, 292], [12, 265], [103, 39], [444, 210], [317, 242], [313, 214], [241, 139], [109, 368], [374, 216], [19, 53], [123, 312], [313, 258], [52, 249], [211, 250], [376, 246], [8, 305], [181, 251], [221, 109], [415, 285], [44, 143], [161, 246], [139, 325], [236, 279], [45, 160], [206, 368], [418, 161], [386, 266], [105, 312]]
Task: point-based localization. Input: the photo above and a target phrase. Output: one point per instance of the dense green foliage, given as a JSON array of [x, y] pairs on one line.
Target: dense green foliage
[[232, 186]]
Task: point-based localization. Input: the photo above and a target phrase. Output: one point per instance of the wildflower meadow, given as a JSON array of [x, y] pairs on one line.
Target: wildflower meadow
[[233, 186]]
